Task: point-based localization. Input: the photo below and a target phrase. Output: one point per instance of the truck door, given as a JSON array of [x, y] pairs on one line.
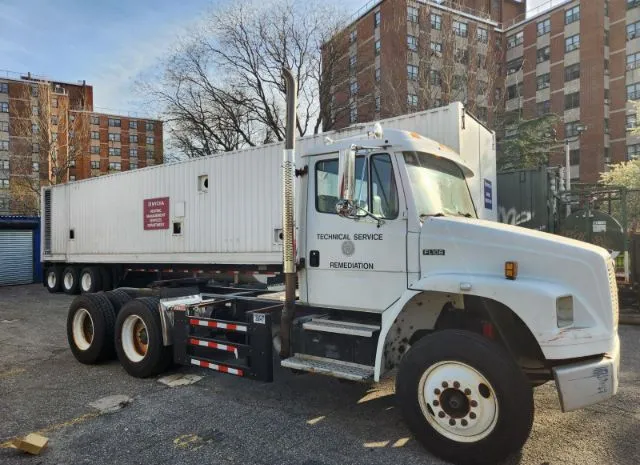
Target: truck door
[[356, 263]]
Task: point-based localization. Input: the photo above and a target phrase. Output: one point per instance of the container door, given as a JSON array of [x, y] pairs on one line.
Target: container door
[[355, 263], [16, 257]]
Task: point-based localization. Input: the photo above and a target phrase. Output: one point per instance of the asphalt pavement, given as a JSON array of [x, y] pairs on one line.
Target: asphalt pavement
[[221, 419]]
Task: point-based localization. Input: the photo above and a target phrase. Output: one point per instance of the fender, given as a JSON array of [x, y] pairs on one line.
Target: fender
[[533, 301]]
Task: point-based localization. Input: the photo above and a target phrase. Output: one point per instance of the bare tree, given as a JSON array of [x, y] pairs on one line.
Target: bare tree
[[222, 89], [49, 140]]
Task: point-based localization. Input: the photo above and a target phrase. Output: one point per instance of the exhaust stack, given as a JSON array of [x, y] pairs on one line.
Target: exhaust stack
[[288, 212]]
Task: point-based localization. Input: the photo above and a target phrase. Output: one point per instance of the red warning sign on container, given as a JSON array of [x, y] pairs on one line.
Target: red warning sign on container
[[156, 213]]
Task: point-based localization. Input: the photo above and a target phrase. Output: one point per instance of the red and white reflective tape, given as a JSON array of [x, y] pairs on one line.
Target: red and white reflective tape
[[218, 324], [213, 345], [215, 366]]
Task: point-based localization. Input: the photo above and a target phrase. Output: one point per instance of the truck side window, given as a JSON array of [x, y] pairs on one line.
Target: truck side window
[[327, 185], [384, 194]]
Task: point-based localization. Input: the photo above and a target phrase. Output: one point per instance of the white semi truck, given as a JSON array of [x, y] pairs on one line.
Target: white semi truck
[[388, 271]]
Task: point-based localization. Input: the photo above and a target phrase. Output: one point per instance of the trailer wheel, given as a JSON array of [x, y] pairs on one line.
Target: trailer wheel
[[53, 278], [90, 280], [464, 398], [107, 280], [90, 326], [139, 338], [70, 280], [118, 299]]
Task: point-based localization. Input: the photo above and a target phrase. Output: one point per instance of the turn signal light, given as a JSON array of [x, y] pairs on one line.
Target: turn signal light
[[511, 270]]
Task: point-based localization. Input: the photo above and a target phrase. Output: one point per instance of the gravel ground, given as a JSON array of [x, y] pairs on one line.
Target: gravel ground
[[298, 419]]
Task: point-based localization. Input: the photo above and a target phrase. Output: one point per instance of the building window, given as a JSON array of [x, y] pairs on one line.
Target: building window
[[95, 120], [543, 54], [515, 39], [482, 35], [133, 152], [54, 136], [574, 157], [95, 165], [114, 166], [353, 36], [412, 43], [34, 91], [114, 136], [114, 123], [4, 126], [544, 27], [412, 14], [572, 72], [54, 120], [412, 72], [481, 88], [482, 61], [133, 166], [631, 121], [436, 22], [606, 125], [633, 152], [95, 149], [572, 101], [376, 19], [572, 15], [378, 106], [572, 43], [606, 66], [633, 61], [543, 108], [35, 111], [434, 77], [150, 126], [35, 166], [4, 145], [606, 96], [133, 125], [633, 91], [460, 29], [72, 163], [353, 115], [377, 47], [4, 107], [95, 135], [543, 81], [35, 128], [133, 139], [4, 183], [514, 91], [114, 151], [4, 164], [571, 129], [378, 74], [4, 88], [151, 140], [150, 151], [514, 66], [462, 56], [412, 100], [633, 30], [436, 48], [632, 4], [54, 102], [353, 90], [353, 62], [35, 148]]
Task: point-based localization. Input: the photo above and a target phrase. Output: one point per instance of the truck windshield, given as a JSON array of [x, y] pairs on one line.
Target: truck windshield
[[438, 186]]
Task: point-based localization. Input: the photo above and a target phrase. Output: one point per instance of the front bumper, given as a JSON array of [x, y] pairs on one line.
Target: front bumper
[[585, 383]]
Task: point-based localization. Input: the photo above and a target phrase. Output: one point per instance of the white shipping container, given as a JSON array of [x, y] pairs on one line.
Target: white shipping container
[[222, 209]]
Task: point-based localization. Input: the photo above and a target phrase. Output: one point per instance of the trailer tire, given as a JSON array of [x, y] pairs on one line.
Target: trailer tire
[[464, 398], [138, 338], [90, 280], [118, 299], [70, 280], [53, 279], [107, 280], [90, 325]]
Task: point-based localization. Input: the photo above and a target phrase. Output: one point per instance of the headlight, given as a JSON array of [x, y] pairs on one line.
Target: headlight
[[564, 311]]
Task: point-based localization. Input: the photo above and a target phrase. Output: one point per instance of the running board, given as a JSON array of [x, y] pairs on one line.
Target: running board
[[327, 366], [340, 327]]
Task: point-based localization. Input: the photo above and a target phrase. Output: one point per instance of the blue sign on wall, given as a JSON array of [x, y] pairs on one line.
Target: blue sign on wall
[[488, 195]]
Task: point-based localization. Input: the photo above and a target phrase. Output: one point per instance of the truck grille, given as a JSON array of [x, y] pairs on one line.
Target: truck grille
[[613, 290]]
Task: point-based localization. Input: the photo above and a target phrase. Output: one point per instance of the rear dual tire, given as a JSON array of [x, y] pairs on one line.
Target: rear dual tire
[[90, 327]]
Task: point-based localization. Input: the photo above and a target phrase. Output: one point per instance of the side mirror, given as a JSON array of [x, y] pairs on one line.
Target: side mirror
[[346, 183]]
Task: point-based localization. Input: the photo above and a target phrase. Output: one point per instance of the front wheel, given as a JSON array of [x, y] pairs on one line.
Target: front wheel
[[464, 398]]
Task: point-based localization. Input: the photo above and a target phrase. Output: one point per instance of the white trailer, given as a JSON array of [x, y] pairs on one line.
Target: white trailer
[[393, 269]]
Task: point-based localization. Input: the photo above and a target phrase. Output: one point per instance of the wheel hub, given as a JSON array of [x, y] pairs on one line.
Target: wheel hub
[[454, 403]]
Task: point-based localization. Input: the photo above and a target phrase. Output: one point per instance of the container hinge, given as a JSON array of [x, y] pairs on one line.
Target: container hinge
[[302, 171]]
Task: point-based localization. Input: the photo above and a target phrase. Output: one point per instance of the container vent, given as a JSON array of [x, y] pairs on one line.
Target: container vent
[[47, 222]]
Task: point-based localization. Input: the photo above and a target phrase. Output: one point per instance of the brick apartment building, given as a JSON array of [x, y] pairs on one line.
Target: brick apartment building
[[49, 134], [578, 59]]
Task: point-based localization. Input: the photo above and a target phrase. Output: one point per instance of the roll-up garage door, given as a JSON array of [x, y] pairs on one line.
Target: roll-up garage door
[[16, 257]]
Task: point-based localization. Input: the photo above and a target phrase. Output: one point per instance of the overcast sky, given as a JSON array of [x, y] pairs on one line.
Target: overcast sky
[[105, 42]]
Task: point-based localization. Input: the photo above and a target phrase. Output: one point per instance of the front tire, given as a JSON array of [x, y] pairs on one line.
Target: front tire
[[464, 398], [139, 338]]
